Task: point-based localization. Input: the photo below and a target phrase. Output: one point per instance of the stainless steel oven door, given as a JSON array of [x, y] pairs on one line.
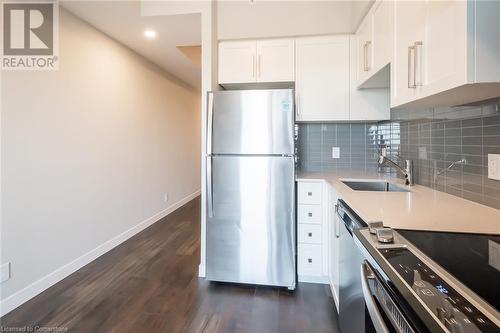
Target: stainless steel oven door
[[384, 311]]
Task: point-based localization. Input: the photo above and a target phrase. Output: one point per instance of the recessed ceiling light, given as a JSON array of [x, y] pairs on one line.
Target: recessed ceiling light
[[150, 33]]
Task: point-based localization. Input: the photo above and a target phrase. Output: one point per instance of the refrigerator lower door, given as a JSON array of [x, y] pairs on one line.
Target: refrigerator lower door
[[251, 220]]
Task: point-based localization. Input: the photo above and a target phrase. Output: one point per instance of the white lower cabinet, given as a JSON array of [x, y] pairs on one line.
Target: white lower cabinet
[[312, 219], [318, 231], [309, 233], [309, 261], [322, 78], [333, 248]]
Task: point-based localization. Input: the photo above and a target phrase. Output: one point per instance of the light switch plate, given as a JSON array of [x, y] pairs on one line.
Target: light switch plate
[[335, 152], [5, 272], [494, 166]]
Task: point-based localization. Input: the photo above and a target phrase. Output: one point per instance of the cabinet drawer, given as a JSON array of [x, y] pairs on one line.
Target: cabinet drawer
[[309, 214], [309, 260], [309, 233], [310, 193]]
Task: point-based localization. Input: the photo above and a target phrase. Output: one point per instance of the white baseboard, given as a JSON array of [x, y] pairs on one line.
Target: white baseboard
[[201, 271], [313, 279], [13, 301], [335, 297]]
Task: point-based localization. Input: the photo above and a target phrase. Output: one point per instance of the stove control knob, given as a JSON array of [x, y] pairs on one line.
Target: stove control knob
[[373, 226], [384, 235]]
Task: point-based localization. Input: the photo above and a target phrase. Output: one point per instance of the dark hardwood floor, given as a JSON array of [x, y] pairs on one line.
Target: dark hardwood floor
[[150, 284]]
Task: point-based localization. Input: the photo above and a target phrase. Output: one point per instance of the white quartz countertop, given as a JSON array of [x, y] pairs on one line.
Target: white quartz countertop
[[420, 209]]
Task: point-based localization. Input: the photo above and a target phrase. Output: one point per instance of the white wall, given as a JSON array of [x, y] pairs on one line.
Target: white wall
[[263, 18], [209, 43], [88, 153]]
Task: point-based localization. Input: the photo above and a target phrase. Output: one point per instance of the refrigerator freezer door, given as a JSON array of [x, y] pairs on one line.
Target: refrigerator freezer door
[[252, 122], [251, 228]]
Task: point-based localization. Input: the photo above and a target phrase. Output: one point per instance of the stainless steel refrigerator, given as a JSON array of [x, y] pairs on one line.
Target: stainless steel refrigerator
[[250, 226]]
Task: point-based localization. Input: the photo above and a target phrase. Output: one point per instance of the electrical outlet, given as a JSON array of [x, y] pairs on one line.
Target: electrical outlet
[[335, 152], [494, 166], [165, 197], [422, 153], [5, 272]]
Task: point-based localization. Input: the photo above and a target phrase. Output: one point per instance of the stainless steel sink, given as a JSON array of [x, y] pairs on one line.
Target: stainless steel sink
[[376, 186]]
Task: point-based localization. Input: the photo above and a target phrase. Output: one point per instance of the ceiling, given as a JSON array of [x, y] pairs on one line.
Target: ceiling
[[176, 48], [122, 21]]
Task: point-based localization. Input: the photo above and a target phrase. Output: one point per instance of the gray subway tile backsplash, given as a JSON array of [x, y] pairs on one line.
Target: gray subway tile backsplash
[[358, 146], [433, 138]]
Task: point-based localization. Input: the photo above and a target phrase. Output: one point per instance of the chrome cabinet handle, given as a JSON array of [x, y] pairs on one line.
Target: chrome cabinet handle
[[259, 66], [411, 71], [366, 62], [368, 53], [337, 224], [210, 201], [377, 319], [210, 101], [364, 57], [297, 103], [253, 66], [208, 166], [417, 60]]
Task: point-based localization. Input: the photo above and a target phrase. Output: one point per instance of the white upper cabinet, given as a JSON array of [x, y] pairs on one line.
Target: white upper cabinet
[[365, 48], [383, 34], [409, 34], [237, 62], [375, 42], [322, 78], [444, 58], [276, 60], [366, 104], [270, 60], [443, 49]]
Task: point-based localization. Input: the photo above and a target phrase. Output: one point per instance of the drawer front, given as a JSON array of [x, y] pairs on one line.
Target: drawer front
[[310, 193], [309, 260], [309, 214], [309, 233]]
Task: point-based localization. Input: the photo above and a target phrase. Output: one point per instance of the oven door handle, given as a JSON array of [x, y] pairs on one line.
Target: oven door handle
[[377, 319]]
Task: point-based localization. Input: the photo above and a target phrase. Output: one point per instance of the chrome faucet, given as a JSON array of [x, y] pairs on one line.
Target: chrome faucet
[[437, 173], [406, 172]]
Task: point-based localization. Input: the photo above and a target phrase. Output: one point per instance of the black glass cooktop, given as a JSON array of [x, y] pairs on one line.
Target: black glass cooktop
[[454, 310], [471, 258]]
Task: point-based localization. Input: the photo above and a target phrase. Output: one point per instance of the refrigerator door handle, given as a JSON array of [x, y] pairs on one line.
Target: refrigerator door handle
[[210, 201], [210, 113]]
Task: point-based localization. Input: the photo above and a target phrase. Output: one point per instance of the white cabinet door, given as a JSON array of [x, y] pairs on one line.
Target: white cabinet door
[[276, 60], [333, 252], [237, 62], [367, 104], [383, 33], [365, 48], [409, 33], [444, 49], [322, 78]]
